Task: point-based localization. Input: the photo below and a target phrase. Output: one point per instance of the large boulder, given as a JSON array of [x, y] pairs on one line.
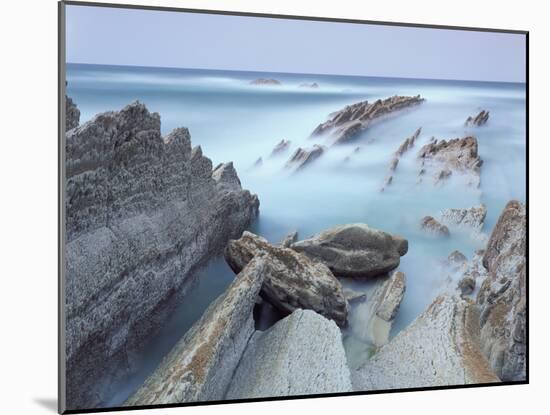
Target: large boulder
[[375, 316], [201, 365], [440, 348], [503, 297], [302, 354], [142, 213], [293, 280], [350, 122], [355, 250]]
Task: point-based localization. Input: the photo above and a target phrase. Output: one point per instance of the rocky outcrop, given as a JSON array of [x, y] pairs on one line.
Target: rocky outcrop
[[265, 81], [380, 309], [289, 239], [72, 114], [440, 348], [302, 158], [142, 213], [431, 225], [477, 121], [292, 280], [258, 163], [445, 158], [403, 148], [201, 365], [355, 250], [502, 297], [348, 123], [302, 354], [281, 147], [313, 85], [471, 218]]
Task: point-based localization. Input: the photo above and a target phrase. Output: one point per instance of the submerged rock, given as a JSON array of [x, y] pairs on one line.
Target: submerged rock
[[440, 348], [313, 85], [201, 365], [142, 212], [302, 354], [355, 250], [503, 298], [380, 310], [472, 218], [293, 280], [265, 81], [281, 147], [302, 158], [348, 123], [72, 114], [477, 121], [258, 163], [458, 155], [403, 148], [430, 224]]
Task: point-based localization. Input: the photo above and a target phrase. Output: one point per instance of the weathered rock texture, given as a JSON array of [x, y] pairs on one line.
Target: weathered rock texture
[[348, 123], [302, 158], [380, 310], [142, 212], [293, 280], [201, 365], [440, 348], [502, 296], [355, 250], [281, 147], [456, 156], [265, 81], [472, 218], [430, 224], [300, 355], [477, 121], [403, 148], [72, 114]]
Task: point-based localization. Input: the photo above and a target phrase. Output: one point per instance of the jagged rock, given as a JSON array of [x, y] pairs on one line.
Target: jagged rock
[[447, 157], [467, 285], [302, 354], [479, 120], [440, 348], [312, 85], [293, 280], [265, 81], [355, 250], [456, 259], [289, 239], [354, 296], [201, 365], [502, 296], [302, 158], [353, 120], [473, 217], [281, 147], [403, 148], [430, 224], [72, 114], [258, 163], [141, 214], [380, 310]]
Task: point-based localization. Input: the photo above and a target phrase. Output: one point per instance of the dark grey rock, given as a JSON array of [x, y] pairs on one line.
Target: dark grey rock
[[302, 158], [477, 121], [72, 114]]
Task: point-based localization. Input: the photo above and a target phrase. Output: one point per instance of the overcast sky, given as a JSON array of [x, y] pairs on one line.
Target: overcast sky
[[188, 40]]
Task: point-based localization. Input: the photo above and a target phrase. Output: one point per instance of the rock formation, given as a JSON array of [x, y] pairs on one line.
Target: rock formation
[[472, 218], [289, 239], [72, 114], [440, 348], [258, 163], [380, 310], [355, 250], [303, 158], [281, 147], [201, 365], [313, 85], [477, 121], [446, 158], [430, 224], [300, 355], [265, 81], [348, 123], [142, 213], [293, 280], [502, 297], [403, 148]]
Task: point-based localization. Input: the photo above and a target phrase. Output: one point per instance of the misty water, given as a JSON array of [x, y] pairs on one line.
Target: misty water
[[233, 120]]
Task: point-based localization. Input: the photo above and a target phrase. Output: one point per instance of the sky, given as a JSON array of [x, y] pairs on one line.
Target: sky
[[116, 36]]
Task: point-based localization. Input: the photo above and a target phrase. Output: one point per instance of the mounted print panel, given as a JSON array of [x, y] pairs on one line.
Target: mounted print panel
[[258, 207]]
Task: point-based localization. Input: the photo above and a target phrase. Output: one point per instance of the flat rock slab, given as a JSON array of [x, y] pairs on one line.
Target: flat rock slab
[[300, 355]]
